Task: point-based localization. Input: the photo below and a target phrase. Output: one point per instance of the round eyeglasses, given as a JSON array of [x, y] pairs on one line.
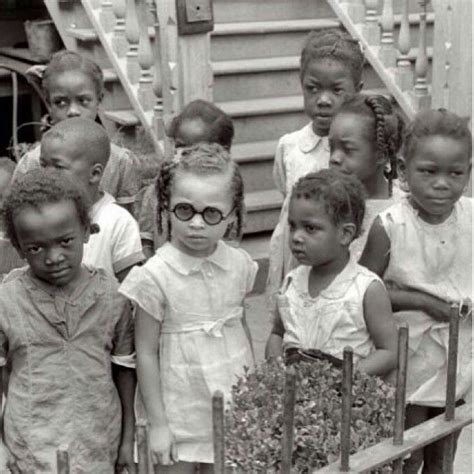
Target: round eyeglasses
[[211, 215]]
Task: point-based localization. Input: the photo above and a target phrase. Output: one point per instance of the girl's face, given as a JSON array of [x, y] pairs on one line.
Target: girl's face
[[314, 238], [437, 175], [72, 94], [190, 132], [195, 236], [326, 84], [351, 149], [51, 239]]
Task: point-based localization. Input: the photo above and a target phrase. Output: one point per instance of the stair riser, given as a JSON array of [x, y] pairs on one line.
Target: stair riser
[[226, 11], [272, 84], [257, 175], [74, 14], [115, 97], [267, 127], [260, 221], [94, 51]]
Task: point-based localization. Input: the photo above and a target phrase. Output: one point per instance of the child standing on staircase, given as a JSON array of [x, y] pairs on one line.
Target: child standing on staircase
[[199, 121], [422, 248], [74, 87], [364, 140], [191, 333], [330, 71]]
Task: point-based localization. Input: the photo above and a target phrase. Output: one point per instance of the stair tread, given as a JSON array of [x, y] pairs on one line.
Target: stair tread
[[272, 105], [256, 245], [122, 117], [262, 27], [278, 63], [110, 75], [261, 200], [254, 151], [89, 34]]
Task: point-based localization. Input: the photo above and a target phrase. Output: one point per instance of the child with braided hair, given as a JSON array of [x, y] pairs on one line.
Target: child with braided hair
[[364, 140], [191, 334], [330, 72]]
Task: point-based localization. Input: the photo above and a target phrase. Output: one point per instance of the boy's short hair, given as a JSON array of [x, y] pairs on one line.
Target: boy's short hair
[[342, 195], [38, 187], [88, 138]]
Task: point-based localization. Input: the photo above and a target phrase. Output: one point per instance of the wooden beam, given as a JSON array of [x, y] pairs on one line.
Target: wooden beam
[[415, 438]]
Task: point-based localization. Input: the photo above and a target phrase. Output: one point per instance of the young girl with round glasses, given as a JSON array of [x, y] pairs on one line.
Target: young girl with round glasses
[[190, 307]]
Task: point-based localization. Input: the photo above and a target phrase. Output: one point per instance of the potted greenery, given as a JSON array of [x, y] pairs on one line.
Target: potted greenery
[[254, 421]]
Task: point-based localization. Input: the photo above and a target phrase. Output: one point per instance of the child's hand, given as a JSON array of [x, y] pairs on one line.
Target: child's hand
[[438, 309], [162, 446], [125, 462]]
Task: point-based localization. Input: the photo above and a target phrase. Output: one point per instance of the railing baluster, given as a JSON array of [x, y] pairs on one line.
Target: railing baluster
[[404, 72], [371, 29], [400, 393], [448, 45], [388, 53], [119, 41], [146, 95], [346, 408], [106, 15], [289, 398], [132, 33], [421, 66]]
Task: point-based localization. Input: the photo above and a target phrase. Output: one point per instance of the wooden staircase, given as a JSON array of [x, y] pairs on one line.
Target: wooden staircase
[[249, 67]]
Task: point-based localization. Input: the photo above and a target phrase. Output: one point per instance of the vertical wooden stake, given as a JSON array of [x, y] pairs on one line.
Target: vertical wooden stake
[[448, 455], [347, 369], [62, 460], [218, 431], [400, 392], [142, 445], [289, 396]]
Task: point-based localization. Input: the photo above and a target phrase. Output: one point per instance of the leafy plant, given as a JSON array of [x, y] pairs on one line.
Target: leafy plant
[[254, 422]]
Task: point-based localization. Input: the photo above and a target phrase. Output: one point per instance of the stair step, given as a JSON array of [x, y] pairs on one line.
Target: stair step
[[265, 27], [110, 75], [255, 151], [125, 118], [244, 66], [263, 210], [89, 34]]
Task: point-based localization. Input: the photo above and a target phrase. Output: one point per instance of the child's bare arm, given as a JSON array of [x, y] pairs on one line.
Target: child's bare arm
[[382, 330], [123, 273], [248, 334], [376, 254], [147, 335], [274, 347]]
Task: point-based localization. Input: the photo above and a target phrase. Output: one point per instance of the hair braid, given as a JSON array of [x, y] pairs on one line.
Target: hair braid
[[163, 193]]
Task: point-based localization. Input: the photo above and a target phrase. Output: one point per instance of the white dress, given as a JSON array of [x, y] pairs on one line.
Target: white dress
[[203, 346], [332, 320], [435, 259], [297, 154]]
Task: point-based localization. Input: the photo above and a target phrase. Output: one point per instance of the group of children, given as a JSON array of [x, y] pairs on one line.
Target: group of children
[[374, 229]]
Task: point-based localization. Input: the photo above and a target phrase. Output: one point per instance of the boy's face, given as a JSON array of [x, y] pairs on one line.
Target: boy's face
[[326, 83], [55, 153], [51, 239]]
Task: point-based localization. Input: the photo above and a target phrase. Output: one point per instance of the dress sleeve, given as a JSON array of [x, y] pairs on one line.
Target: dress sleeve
[[279, 169], [127, 247], [144, 290], [146, 215], [123, 351], [128, 180]]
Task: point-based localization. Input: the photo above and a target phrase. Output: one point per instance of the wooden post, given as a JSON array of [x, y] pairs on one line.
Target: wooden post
[[184, 57], [218, 432], [142, 445], [422, 98], [145, 92], [355, 9], [347, 369], [400, 393], [119, 41], [289, 396], [62, 461], [106, 15], [448, 455], [132, 32]]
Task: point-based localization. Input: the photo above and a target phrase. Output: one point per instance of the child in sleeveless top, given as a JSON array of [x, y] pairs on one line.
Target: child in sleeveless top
[[330, 71], [191, 334], [74, 87], [422, 249], [67, 146], [329, 301], [9, 257], [364, 140], [68, 335], [199, 121]]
